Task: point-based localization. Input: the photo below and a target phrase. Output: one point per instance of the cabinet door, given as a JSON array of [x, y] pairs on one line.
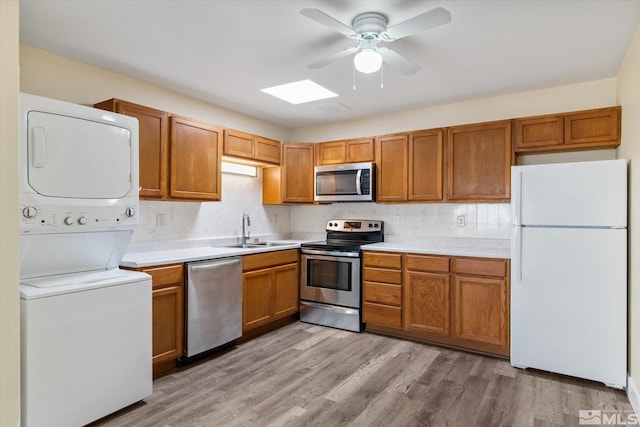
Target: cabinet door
[[196, 151], [168, 316], [538, 132], [257, 298], [153, 135], [426, 302], [597, 127], [425, 165], [481, 312], [297, 173], [238, 144], [479, 162], [167, 312], [285, 290], [391, 155], [267, 150], [332, 153], [359, 150]]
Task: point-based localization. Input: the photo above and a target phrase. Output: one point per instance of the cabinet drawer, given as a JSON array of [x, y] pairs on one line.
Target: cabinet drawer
[[384, 315], [382, 275], [481, 267], [268, 259], [383, 293], [382, 259], [427, 263], [166, 275]]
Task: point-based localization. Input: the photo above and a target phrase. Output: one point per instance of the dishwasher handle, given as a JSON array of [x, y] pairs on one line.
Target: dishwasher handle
[[214, 264]]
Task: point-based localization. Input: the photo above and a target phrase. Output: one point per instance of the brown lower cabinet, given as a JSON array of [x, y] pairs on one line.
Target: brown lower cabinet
[[457, 301], [167, 314], [269, 287]]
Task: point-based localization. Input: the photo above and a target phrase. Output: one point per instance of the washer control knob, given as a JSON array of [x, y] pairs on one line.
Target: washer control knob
[[68, 220], [82, 220], [29, 212], [129, 212]]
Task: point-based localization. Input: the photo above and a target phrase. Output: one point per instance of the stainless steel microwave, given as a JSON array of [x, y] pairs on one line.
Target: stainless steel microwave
[[352, 182]]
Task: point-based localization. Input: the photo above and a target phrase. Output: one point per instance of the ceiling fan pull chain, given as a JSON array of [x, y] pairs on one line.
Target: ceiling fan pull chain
[[382, 76]]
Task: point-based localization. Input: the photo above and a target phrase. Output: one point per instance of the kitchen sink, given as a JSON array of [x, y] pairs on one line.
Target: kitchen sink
[[253, 245]]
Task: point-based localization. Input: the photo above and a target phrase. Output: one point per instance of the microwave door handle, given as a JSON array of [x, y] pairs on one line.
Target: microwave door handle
[[359, 181]]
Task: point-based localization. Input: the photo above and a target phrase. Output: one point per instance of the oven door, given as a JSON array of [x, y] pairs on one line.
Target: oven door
[[330, 278]]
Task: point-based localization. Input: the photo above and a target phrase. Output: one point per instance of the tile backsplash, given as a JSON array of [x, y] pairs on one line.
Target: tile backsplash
[[162, 221], [411, 222]]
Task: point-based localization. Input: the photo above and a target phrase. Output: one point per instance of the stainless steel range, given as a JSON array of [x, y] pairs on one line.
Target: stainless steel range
[[330, 274]]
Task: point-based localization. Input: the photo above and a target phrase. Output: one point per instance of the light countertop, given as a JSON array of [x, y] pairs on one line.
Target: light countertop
[[176, 255], [470, 248], [454, 247]]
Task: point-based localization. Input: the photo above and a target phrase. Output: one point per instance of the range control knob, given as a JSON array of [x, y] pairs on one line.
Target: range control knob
[[68, 220], [129, 212], [370, 225], [376, 225], [82, 220], [29, 212]]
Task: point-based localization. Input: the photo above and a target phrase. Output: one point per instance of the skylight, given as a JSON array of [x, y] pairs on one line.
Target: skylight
[[300, 92]]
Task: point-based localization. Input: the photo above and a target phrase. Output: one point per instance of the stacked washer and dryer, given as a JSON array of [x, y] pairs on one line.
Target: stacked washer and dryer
[[85, 323]]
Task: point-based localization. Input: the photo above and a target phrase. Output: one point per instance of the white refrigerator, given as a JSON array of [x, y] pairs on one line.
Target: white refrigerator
[[569, 269]]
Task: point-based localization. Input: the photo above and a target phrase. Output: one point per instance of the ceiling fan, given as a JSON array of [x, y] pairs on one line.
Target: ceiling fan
[[369, 29]]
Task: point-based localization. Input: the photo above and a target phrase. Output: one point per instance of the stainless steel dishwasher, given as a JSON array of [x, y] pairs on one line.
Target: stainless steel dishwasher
[[213, 305]]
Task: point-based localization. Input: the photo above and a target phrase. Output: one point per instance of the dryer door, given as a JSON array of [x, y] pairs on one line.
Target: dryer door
[[77, 158]]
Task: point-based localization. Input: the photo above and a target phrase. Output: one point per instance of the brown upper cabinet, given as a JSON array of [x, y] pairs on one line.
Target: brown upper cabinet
[[195, 153], [292, 182], [425, 165], [153, 130], [347, 151], [598, 128], [179, 157], [410, 166], [393, 168], [251, 147], [479, 159]]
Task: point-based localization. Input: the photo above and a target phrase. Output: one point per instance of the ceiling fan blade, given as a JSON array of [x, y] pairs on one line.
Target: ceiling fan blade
[[343, 53], [398, 61], [324, 19], [425, 21]]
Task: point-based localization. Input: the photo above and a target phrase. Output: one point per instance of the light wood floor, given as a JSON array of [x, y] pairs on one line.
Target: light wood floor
[[307, 375]]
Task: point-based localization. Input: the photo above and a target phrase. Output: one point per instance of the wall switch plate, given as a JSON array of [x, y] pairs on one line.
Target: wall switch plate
[[460, 220]]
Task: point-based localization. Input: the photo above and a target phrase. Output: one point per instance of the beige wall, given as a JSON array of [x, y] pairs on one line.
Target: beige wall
[[629, 98], [45, 74], [9, 297], [583, 96]]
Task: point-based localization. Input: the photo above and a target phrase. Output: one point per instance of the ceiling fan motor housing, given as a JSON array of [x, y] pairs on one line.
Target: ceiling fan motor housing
[[369, 25]]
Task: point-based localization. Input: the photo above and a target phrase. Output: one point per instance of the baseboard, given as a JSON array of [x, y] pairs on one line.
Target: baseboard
[[632, 394]]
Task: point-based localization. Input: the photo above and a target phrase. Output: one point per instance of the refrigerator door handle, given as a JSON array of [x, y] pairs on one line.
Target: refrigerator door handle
[[516, 203], [516, 259]]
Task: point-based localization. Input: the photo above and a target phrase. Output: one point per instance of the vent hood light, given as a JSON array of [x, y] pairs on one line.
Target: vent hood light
[[300, 92]]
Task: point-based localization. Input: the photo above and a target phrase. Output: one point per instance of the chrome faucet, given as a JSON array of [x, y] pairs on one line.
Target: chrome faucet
[[246, 223]]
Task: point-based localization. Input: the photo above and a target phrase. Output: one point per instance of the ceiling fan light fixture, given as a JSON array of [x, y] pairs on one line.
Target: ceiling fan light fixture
[[367, 61]]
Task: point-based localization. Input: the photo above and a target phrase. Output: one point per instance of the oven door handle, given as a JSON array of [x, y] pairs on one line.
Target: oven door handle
[[330, 253]]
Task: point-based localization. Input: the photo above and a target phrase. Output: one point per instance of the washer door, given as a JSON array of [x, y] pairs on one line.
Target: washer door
[[77, 158]]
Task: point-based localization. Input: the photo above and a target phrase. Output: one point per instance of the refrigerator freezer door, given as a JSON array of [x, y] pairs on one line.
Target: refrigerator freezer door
[[588, 194], [569, 301]]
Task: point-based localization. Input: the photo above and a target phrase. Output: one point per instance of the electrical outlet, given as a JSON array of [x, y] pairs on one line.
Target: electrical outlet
[[460, 220], [159, 220]]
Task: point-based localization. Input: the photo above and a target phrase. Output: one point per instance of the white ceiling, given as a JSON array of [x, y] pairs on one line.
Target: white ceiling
[[225, 51]]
